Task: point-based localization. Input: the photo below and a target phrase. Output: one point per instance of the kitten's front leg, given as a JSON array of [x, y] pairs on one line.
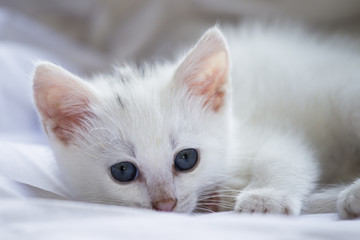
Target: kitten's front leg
[[283, 172]]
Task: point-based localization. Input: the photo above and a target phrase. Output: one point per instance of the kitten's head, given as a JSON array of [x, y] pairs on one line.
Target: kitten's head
[[153, 139]]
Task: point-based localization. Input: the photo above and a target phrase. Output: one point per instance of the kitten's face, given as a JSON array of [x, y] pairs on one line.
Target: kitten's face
[[156, 140]]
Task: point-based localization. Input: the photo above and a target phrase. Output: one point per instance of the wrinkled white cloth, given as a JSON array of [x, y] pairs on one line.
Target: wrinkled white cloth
[[51, 219], [30, 165]]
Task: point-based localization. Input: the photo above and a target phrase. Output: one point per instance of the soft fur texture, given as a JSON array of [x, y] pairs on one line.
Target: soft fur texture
[[273, 112]]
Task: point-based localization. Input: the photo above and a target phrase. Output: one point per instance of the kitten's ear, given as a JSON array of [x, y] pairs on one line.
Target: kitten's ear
[[62, 100], [205, 70]]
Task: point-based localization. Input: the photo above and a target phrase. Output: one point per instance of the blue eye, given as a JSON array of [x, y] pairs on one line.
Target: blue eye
[[186, 159], [124, 171]]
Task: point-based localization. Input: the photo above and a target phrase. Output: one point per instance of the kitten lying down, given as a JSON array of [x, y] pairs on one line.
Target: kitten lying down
[[259, 122]]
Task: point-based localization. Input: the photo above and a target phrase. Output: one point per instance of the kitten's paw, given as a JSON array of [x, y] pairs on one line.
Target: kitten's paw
[[348, 203], [266, 201]]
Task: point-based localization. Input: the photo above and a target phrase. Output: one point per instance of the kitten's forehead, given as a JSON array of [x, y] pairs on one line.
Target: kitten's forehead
[[138, 110], [150, 114]]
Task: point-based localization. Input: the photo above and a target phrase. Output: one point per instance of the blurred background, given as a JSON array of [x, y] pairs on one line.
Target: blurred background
[[89, 36], [98, 32]]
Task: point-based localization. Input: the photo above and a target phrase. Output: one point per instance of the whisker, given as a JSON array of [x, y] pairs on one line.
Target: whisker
[[204, 209], [212, 201], [217, 204]]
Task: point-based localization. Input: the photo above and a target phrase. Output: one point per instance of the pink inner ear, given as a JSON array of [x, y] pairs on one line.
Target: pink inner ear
[[62, 100], [65, 127], [66, 113], [206, 69], [213, 78]]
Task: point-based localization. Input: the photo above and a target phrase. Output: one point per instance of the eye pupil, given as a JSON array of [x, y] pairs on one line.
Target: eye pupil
[[186, 159], [124, 171]]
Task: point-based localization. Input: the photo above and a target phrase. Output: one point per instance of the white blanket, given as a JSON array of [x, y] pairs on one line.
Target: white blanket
[[45, 219], [31, 190]]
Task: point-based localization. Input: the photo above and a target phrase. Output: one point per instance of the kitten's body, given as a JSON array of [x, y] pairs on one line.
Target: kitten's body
[[302, 88], [290, 80], [293, 122]]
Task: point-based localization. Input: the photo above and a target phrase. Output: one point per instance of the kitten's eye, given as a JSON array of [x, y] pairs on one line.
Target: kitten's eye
[[124, 171], [186, 159]]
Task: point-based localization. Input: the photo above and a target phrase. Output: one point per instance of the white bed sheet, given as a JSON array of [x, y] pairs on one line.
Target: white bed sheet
[[53, 219], [30, 188]]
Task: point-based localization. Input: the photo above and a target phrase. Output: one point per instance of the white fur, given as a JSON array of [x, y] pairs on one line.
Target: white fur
[[305, 89], [289, 123]]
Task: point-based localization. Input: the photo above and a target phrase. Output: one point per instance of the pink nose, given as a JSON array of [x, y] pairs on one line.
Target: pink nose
[[165, 205]]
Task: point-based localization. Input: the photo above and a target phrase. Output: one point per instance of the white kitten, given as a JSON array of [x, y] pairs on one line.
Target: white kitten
[[265, 132]]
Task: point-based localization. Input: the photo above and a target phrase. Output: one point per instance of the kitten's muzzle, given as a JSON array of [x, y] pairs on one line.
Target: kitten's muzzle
[[165, 205]]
